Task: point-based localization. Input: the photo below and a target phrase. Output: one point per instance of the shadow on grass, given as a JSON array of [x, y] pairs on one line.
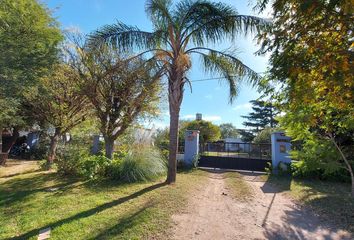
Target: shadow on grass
[[20, 173], [16, 190], [127, 223], [89, 212]]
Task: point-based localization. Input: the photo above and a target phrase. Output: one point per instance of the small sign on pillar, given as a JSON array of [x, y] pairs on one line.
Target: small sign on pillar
[[191, 146]]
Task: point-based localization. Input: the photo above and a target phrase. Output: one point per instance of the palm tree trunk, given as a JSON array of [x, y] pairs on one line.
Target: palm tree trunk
[[175, 96], [172, 158], [53, 147], [109, 147]]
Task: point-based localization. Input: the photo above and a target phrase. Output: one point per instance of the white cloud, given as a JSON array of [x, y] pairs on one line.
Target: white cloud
[[246, 106]]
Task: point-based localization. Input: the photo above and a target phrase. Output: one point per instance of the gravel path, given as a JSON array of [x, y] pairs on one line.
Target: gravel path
[[213, 214]]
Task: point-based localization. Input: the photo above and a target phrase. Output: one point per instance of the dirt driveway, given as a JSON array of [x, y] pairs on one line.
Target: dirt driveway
[[213, 214]]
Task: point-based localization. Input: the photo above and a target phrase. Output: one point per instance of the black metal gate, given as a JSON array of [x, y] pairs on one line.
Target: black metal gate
[[241, 156]]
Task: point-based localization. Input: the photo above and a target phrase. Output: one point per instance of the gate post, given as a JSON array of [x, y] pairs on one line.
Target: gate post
[[191, 146], [281, 145]]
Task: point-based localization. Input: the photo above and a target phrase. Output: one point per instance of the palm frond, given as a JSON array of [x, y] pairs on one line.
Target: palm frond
[[207, 21], [228, 66], [124, 37], [159, 12]]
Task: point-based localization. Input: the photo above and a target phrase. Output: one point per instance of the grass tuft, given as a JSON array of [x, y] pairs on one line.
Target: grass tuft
[[239, 188]]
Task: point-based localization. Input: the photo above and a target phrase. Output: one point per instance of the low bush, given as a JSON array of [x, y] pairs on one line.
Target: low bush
[[318, 159], [77, 161], [70, 159], [142, 163]]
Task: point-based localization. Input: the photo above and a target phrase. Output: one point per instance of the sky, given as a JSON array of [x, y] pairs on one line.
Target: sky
[[211, 97]]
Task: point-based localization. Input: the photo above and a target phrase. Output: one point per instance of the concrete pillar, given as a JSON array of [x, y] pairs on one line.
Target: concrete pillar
[[281, 145], [191, 146]]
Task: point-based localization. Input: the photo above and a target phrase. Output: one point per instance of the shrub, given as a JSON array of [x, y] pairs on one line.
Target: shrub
[[69, 159], [77, 161], [142, 163], [318, 159], [94, 166]]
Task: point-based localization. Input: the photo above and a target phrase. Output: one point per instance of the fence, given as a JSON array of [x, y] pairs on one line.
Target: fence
[[237, 150]]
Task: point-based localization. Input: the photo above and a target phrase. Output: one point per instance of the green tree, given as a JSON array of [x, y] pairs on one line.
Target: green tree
[[28, 46], [262, 116], [246, 135], [121, 90], [228, 131], [57, 102], [209, 132], [179, 31], [311, 66], [264, 136]]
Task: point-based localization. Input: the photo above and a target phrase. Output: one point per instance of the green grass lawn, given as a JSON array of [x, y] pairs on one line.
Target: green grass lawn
[[331, 200], [77, 209]]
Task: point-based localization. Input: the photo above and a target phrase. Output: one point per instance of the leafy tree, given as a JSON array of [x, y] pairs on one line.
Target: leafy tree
[[228, 131], [209, 132], [312, 53], [262, 116], [58, 102], [120, 90], [29, 39], [246, 135], [179, 31], [264, 136]]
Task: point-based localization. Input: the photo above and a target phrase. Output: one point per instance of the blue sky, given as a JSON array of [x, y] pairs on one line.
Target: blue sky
[[208, 97]]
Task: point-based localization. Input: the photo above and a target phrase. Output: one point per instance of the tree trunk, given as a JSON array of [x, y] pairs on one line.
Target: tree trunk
[[6, 148], [172, 158], [0, 139], [109, 146], [53, 147], [352, 187], [347, 163], [175, 96], [3, 156]]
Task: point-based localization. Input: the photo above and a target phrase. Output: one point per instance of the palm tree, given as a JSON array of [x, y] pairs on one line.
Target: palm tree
[[179, 31]]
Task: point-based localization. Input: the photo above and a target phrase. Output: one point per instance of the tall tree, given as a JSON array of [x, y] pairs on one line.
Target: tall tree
[[57, 102], [208, 132], [262, 116], [179, 31], [121, 90], [311, 64], [228, 131], [28, 46]]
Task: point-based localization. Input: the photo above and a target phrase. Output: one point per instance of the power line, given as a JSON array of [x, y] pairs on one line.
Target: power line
[[211, 79], [208, 79]]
